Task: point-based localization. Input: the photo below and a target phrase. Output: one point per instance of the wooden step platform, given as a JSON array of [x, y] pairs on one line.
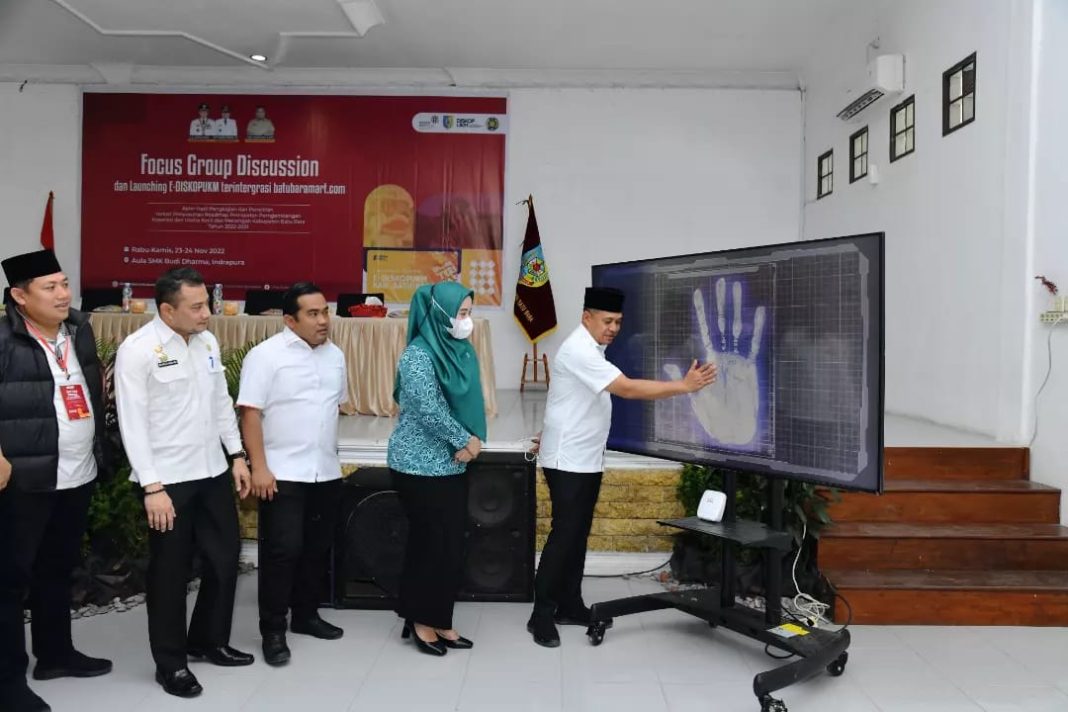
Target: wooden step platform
[[877, 546], [959, 501], [960, 536], [949, 597], [956, 463]]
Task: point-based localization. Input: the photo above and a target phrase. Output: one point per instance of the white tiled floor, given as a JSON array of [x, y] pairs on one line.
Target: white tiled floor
[[654, 662]]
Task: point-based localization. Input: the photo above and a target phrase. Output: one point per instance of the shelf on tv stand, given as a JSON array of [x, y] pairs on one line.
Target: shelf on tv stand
[[741, 531]]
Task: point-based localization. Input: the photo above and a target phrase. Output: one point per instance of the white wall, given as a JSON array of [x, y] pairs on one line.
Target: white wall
[[954, 212], [1048, 454], [616, 175], [40, 150], [628, 174]]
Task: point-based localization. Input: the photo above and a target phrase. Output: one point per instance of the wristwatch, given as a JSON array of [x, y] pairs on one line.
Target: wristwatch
[[239, 455]]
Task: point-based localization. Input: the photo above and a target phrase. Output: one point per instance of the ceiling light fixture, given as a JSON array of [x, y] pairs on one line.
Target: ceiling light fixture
[[362, 14], [258, 57]]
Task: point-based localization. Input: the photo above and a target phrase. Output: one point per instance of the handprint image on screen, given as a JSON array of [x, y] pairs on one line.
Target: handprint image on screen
[[726, 325], [796, 333]]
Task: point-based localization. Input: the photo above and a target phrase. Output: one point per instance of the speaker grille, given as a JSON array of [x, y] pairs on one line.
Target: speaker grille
[[375, 536], [495, 562], [492, 497]]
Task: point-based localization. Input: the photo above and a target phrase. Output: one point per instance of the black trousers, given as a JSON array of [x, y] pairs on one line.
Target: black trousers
[[40, 540], [434, 556], [558, 583], [296, 532], [206, 522]]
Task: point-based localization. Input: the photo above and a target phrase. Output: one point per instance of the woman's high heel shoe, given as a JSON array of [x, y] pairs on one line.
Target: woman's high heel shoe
[[436, 648], [460, 643]]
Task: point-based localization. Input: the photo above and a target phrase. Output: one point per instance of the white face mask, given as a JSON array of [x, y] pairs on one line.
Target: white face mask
[[461, 328]]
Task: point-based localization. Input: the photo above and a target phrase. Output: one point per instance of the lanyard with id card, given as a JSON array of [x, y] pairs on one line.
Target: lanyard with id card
[[62, 356], [74, 401]]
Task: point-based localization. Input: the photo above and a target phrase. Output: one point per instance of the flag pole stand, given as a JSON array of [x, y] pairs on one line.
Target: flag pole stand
[[531, 363]]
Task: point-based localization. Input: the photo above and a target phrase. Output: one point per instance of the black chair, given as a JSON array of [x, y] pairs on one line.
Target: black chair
[[93, 298], [351, 299], [258, 301]]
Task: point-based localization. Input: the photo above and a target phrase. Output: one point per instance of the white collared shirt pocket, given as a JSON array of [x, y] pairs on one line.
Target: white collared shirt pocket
[[171, 377]]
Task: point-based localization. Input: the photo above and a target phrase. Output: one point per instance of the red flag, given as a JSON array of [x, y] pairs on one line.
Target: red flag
[[48, 240], [534, 309]]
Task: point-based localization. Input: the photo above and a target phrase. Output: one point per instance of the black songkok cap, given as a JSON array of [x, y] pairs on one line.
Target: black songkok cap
[[30, 265], [604, 299]]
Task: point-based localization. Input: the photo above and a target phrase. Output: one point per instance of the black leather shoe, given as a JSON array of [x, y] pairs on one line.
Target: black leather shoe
[[435, 648], [180, 683], [317, 628], [275, 650], [544, 632], [16, 696], [223, 656], [74, 665]]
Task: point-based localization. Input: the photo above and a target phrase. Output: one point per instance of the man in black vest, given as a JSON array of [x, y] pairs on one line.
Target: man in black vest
[[51, 452]]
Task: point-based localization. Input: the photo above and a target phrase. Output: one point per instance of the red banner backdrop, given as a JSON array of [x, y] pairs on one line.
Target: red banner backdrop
[[349, 191]]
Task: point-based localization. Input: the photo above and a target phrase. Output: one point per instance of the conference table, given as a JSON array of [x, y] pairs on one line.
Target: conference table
[[372, 348]]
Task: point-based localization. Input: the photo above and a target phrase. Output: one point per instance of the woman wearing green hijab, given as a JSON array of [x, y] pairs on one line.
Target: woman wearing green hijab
[[441, 428]]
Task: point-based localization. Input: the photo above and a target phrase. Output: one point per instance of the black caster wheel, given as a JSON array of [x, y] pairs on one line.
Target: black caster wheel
[[770, 704], [596, 632], [837, 667]]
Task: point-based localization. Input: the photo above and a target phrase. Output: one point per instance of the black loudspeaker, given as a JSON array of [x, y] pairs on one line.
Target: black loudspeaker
[[501, 513], [369, 550]]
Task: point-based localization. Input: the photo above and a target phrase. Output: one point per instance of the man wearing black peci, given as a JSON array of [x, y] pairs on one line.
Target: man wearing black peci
[[176, 416], [51, 451], [578, 415]]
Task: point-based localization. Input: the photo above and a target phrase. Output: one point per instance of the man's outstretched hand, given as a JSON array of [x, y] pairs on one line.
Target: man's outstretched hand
[[699, 376]]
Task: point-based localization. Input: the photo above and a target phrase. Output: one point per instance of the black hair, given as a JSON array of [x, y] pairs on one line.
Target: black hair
[[23, 283], [170, 283], [292, 296]]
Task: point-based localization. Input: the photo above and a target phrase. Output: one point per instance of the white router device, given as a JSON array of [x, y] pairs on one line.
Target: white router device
[[712, 505]]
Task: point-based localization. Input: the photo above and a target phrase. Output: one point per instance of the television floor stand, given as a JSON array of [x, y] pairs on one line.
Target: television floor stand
[[815, 650]]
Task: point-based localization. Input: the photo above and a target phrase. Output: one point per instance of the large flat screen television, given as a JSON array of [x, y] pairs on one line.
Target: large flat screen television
[[797, 333]]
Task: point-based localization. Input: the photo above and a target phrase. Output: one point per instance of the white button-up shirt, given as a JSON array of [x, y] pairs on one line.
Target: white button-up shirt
[[578, 410], [298, 389], [77, 463], [201, 128], [225, 128], [175, 414]]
